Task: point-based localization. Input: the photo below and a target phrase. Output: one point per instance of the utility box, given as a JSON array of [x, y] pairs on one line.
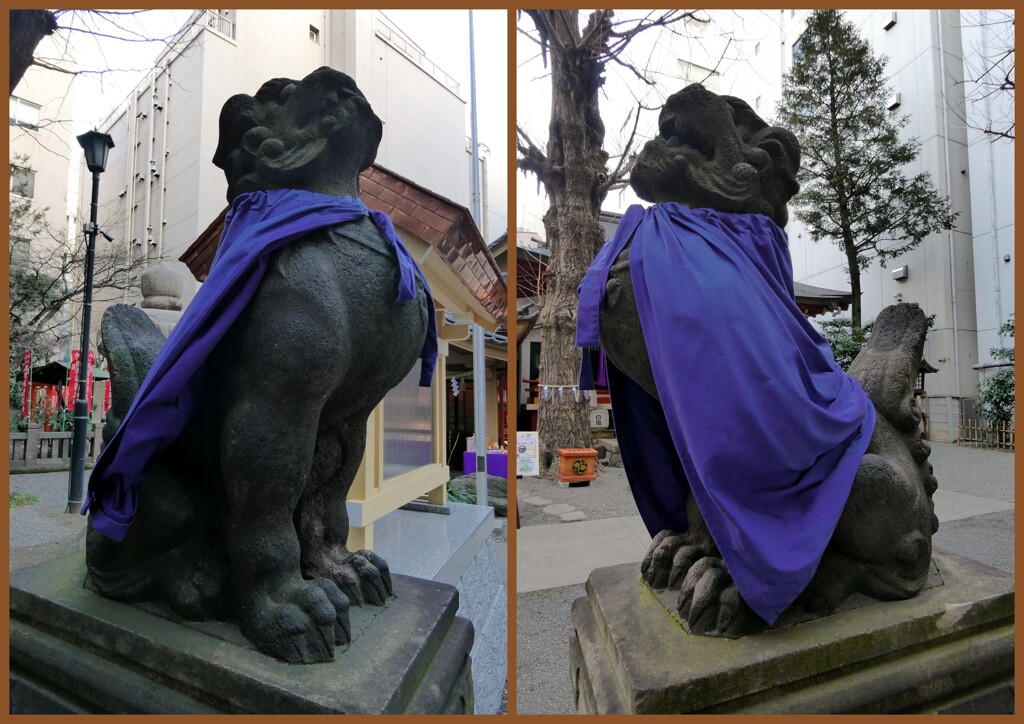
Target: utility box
[[576, 466]]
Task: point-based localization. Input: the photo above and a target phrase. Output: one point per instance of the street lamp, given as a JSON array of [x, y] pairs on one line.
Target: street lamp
[[96, 146]]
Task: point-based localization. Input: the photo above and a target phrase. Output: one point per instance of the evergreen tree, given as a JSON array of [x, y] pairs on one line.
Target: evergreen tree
[[853, 189]]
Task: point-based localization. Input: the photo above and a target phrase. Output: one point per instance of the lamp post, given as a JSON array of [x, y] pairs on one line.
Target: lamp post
[[96, 146]]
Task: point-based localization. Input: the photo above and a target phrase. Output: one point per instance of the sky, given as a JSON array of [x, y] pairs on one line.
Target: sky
[[442, 34]]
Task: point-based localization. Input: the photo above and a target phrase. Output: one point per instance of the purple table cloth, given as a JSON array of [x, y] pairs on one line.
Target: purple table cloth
[[497, 463], [257, 224], [756, 420]]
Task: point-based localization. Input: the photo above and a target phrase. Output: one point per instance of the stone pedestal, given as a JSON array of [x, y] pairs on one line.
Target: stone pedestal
[[949, 650], [73, 651]]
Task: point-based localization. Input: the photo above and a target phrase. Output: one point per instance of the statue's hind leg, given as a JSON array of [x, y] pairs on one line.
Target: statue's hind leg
[[322, 517], [167, 555]]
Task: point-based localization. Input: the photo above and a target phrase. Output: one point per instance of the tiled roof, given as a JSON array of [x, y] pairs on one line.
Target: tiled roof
[[442, 223]]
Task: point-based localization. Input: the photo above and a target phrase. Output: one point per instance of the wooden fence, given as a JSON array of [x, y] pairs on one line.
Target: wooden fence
[[973, 432], [36, 451]]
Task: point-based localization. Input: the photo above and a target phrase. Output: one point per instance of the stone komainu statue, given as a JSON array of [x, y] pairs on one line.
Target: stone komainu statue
[[774, 485], [222, 491]]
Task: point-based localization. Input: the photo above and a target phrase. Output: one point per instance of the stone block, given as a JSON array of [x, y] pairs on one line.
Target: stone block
[[558, 508], [536, 500], [949, 649], [74, 651], [573, 516]]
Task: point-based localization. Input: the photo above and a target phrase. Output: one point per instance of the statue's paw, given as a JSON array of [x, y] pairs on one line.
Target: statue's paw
[[365, 578], [670, 558], [201, 594], [342, 627], [711, 604], [298, 623]]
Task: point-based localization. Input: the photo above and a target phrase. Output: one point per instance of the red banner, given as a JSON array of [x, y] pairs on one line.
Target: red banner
[[106, 396], [88, 387], [76, 355], [27, 365]]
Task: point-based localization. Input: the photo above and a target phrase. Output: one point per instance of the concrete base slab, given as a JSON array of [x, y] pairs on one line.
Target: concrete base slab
[[73, 651], [949, 649], [461, 552]]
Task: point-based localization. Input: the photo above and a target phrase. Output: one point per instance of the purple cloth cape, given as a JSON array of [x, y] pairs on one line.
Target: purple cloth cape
[[257, 224], [756, 419]]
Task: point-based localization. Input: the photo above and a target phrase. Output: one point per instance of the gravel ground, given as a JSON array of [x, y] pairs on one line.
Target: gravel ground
[[542, 651], [607, 497], [42, 530]]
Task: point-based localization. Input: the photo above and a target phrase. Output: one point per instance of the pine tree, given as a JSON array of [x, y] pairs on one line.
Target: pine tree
[[853, 189]]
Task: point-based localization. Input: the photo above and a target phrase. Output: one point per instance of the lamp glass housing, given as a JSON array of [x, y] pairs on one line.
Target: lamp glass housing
[[96, 146]]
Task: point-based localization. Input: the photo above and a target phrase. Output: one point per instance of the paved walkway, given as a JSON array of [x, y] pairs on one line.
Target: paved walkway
[[974, 504]]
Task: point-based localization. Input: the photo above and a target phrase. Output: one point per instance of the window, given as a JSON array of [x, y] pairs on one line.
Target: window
[[757, 103], [693, 73], [23, 182], [25, 114], [314, 34], [408, 431]]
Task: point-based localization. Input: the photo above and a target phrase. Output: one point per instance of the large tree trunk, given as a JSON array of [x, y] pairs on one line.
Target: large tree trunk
[[574, 176], [851, 261], [28, 27]]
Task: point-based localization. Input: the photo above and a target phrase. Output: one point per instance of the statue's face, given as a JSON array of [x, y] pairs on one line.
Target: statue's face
[[292, 131], [714, 152]]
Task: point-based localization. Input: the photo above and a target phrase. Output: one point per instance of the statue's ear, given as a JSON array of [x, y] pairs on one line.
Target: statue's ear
[[782, 145], [374, 132]]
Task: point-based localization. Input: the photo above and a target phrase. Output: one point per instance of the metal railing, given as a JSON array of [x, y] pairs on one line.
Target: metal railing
[[219, 23], [394, 37]]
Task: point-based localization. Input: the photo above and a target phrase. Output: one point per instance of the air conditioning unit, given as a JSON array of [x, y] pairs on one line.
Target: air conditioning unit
[[890, 22], [901, 273], [894, 101]]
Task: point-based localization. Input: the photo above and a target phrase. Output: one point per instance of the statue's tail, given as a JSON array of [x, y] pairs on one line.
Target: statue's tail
[[130, 342], [888, 366]]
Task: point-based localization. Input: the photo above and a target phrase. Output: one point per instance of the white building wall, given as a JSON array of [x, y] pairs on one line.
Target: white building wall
[[991, 176], [51, 149], [53, 153], [169, 124]]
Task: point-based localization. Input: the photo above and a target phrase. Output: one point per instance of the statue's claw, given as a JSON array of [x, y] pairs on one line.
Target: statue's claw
[[363, 576], [670, 557], [295, 622], [372, 575], [711, 604], [657, 563], [342, 626]]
